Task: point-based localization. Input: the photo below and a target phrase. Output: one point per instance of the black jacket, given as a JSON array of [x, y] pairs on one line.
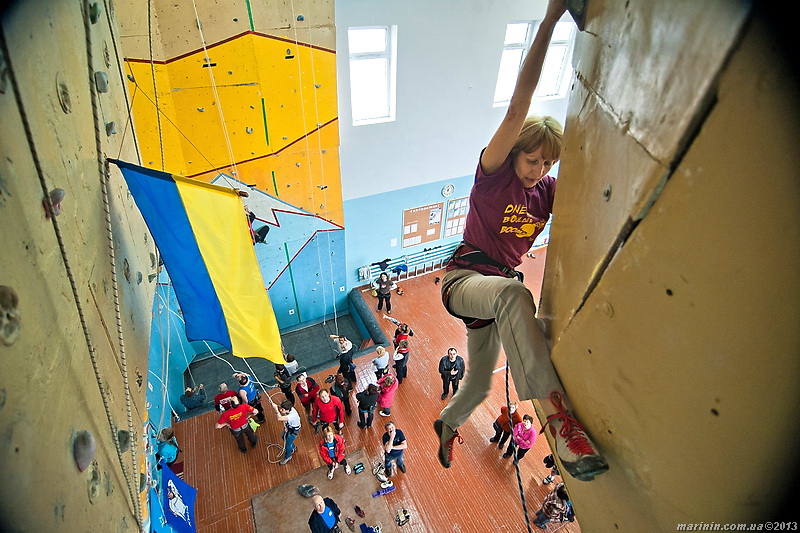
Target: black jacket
[[316, 522]]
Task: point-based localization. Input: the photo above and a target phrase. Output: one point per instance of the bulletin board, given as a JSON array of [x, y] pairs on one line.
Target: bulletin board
[[457, 210], [422, 224]]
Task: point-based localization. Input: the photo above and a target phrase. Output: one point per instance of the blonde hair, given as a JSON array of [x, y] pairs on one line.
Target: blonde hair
[[539, 131], [380, 350]]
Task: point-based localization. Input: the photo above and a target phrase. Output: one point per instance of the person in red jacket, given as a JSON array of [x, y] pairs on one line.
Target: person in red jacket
[[307, 390], [503, 427], [387, 387], [331, 448], [327, 410], [237, 418]]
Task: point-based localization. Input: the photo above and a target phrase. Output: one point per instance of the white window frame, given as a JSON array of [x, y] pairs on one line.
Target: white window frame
[[564, 73], [390, 55]]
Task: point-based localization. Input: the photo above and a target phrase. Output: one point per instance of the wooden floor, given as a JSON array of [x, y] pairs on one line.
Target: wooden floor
[[478, 493]]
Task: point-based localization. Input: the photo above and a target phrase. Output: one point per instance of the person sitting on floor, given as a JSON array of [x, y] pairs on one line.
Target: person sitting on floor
[[193, 397]]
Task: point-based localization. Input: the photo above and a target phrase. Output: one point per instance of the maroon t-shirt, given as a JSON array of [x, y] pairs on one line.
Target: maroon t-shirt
[[504, 217]]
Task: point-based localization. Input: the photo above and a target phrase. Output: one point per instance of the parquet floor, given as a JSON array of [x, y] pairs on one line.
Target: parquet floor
[[477, 494]]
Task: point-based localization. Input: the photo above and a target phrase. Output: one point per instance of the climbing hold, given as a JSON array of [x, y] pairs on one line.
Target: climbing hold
[[83, 449], [63, 94], [111, 128], [56, 197], [9, 315], [94, 12], [301, 18], [130, 77], [317, 85], [201, 109], [124, 438], [249, 130], [101, 81]]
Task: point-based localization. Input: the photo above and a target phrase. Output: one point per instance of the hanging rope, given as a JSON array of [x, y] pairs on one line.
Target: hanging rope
[[65, 259], [321, 166], [153, 75], [516, 461], [128, 103], [103, 171], [210, 69]]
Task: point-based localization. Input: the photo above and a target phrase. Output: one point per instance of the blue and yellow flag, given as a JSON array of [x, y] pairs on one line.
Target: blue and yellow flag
[[202, 233]]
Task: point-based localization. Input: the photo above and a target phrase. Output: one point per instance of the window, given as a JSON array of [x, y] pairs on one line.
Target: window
[[373, 58], [557, 68], [456, 216]]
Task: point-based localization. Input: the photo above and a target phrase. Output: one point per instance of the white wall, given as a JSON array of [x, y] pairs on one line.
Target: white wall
[[448, 55]]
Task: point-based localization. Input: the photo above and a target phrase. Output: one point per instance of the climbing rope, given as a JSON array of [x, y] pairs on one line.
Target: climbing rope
[[153, 75], [516, 461], [224, 124], [128, 103], [103, 171], [67, 267], [323, 187]]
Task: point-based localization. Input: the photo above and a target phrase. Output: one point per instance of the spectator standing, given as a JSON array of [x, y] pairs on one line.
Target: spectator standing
[[238, 420], [284, 379], [341, 388], [504, 425], [287, 414], [524, 437], [325, 516], [451, 368], [367, 400], [387, 387], [327, 410], [381, 362], [225, 397], [394, 446], [250, 395], [331, 449], [401, 360], [306, 390], [383, 288]]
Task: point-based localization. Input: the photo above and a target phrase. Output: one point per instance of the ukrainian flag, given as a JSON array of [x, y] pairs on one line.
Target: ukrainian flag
[[202, 233]]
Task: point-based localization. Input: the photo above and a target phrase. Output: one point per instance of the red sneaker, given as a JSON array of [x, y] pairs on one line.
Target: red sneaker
[[577, 452]]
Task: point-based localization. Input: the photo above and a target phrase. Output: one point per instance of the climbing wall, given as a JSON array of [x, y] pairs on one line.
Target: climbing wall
[[673, 275], [247, 98], [74, 344]]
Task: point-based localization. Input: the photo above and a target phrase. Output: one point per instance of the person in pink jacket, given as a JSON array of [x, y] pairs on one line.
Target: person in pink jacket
[[524, 437], [387, 386]]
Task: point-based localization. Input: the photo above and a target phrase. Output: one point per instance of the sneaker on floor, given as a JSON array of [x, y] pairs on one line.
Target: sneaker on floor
[[285, 460], [577, 452], [348, 470], [384, 414], [381, 477], [402, 468], [447, 437]]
